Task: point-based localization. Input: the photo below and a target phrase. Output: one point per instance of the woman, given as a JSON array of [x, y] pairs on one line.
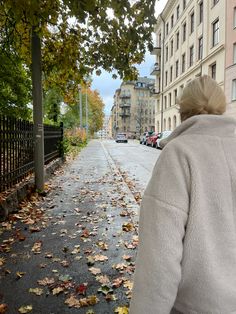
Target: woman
[[186, 260]]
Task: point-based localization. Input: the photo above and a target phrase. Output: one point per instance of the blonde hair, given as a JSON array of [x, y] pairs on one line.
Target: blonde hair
[[202, 96]]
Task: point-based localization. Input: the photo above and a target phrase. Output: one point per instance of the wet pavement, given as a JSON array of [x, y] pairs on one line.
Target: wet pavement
[[73, 251]]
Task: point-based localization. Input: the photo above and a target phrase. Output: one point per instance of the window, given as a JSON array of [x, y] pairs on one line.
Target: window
[[177, 41], [171, 73], [177, 12], [166, 53], [215, 33], [177, 68], [170, 99], [215, 2], [166, 78], [183, 62], [174, 122], [200, 48], [165, 102], [172, 20], [175, 95], [160, 40], [234, 17], [213, 71], [171, 47], [167, 28], [184, 4], [234, 56], [192, 23], [234, 90], [191, 52], [200, 12], [184, 31]]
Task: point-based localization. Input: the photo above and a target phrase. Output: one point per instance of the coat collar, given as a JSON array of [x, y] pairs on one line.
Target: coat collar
[[206, 124]]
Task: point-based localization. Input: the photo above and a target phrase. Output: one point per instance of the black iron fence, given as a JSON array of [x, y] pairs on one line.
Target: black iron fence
[[17, 149]]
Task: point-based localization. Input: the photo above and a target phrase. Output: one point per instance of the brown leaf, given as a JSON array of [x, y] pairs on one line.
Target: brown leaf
[[19, 274], [37, 247], [2, 261], [46, 281], [127, 227], [57, 290], [37, 291], [117, 282], [3, 308], [103, 279], [100, 258], [72, 301]]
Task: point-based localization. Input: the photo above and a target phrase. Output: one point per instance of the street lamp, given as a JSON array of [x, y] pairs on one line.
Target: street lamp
[[80, 106]]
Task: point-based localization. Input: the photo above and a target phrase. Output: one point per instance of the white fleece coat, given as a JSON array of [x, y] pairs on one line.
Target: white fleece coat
[[186, 259]]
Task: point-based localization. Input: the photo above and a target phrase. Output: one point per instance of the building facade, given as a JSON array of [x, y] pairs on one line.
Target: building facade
[[133, 111], [230, 57], [190, 41]]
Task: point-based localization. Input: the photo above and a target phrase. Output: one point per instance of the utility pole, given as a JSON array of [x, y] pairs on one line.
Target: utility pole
[[37, 110], [86, 112], [80, 110]]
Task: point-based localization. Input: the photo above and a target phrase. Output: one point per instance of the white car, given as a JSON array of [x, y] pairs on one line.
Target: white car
[[121, 138], [162, 135]]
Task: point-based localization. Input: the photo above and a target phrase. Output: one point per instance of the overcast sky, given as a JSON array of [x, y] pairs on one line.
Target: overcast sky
[[107, 86]]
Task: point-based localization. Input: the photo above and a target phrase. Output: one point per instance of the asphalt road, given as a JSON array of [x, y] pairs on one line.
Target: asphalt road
[[133, 158]]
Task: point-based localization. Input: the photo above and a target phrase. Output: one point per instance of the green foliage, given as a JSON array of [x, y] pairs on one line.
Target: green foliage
[[74, 140], [15, 87], [51, 104]]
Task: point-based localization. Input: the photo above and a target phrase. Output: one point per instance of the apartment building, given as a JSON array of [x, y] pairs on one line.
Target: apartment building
[[133, 111], [190, 41], [230, 57]]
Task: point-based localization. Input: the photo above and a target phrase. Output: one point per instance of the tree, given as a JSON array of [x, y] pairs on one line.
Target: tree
[[77, 38], [52, 101], [15, 87]]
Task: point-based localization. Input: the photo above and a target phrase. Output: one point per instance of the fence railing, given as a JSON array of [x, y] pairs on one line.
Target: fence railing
[[17, 149]]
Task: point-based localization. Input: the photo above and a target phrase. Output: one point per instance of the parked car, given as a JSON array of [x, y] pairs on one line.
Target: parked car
[[152, 139], [144, 137], [162, 135], [121, 138]]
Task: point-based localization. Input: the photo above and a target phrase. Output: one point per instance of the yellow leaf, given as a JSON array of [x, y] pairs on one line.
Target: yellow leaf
[[37, 291], [57, 290], [122, 310], [25, 309]]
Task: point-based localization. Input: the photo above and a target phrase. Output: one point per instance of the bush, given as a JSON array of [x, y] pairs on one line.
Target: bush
[[74, 139]]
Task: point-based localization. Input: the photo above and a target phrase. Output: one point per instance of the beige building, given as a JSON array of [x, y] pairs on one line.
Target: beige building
[[133, 111], [230, 57], [190, 41]]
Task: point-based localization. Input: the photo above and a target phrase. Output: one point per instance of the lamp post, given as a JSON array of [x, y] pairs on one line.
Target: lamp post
[[86, 103]]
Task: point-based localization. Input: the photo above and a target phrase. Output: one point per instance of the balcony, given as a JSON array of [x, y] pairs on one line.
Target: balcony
[[125, 96], [124, 114], [155, 70], [155, 92], [124, 105], [156, 51]]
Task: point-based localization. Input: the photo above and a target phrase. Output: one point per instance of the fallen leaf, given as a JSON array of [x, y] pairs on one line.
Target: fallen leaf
[[19, 274], [25, 309], [46, 281], [90, 260], [117, 282], [81, 289], [100, 258], [110, 297], [102, 245], [2, 261], [64, 263], [3, 308], [65, 278], [128, 284], [122, 310], [95, 271], [37, 247], [90, 312], [127, 257], [105, 289], [103, 279], [127, 227], [90, 300], [57, 290], [72, 301], [37, 291]]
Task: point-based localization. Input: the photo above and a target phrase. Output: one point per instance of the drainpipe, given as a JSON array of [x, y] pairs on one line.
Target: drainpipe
[[162, 71]]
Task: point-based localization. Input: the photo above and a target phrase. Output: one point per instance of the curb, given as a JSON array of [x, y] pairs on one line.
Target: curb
[[11, 202]]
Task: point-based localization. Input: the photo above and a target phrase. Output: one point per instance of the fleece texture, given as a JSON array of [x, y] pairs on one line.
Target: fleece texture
[[186, 259]]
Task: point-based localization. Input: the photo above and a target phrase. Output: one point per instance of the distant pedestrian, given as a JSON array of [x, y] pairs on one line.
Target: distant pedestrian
[[186, 259]]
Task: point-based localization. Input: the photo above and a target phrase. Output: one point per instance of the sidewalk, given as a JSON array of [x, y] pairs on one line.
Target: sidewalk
[[76, 248]]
